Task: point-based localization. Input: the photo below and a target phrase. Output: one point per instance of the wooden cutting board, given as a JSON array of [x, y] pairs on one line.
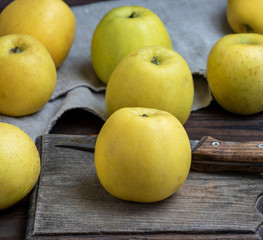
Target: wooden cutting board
[[69, 203]]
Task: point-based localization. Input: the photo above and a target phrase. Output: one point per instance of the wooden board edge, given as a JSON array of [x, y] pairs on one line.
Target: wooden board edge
[[153, 236], [33, 199]]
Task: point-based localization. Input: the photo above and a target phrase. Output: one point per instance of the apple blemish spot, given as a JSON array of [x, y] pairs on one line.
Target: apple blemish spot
[[144, 115]]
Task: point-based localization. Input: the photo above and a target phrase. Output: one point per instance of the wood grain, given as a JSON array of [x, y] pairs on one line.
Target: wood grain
[[211, 154], [13, 221], [70, 202], [222, 125]]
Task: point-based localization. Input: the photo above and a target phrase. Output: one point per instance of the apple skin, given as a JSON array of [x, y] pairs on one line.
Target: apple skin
[[137, 82], [235, 72], [142, 154], [19, 165], [50, 21], [117, 34], [245, 16], [28, 78]]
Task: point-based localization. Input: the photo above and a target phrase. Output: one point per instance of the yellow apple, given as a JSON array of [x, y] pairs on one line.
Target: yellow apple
[[27, 75], [153, 77], [50, 21], [19, 165], [142, 154], [235, 72], [121, 31], [245, 16]]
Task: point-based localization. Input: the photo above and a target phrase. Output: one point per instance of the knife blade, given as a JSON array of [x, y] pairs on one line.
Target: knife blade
[[208, 153]]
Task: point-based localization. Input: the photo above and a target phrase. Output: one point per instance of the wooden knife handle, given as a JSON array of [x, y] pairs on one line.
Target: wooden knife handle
[[212, 155]]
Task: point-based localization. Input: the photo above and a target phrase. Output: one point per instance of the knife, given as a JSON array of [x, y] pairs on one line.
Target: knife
[[208, 153]]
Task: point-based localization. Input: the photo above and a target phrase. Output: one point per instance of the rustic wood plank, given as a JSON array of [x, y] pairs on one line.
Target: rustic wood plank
[[70, 202], [222, 125], [13, 220]]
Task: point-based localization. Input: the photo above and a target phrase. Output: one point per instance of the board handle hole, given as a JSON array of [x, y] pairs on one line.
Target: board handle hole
[[259, 203]]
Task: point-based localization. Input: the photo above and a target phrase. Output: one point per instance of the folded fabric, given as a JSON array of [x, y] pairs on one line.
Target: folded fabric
[[194, 27]]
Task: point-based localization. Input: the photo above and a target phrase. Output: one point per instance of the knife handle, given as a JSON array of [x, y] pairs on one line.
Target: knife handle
[[212, 155]]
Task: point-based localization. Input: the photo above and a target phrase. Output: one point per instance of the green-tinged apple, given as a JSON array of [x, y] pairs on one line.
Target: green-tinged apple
[[121, 31], [27, 75], [153, 77], [235, 72], [50, 21], [142, 154], [245, 16], [19, 165]]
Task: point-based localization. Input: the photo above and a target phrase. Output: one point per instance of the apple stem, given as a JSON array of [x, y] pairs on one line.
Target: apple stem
[[155, 60], [248, 29], [15, 50], [132, 15], [144, 115]]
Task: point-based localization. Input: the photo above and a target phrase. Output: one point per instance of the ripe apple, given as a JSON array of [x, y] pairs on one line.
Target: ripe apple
[[153, 77], [121, 31], [235, 72], [27, 75], [50, 21], [142, 154], [245, 16], [19, 165]]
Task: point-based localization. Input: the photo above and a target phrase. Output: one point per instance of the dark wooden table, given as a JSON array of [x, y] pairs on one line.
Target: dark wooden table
[[213, 121]]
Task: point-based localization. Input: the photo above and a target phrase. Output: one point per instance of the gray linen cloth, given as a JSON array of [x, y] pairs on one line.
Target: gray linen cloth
[[194, 27]]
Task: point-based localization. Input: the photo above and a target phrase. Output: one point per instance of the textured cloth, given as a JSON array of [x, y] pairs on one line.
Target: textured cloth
[[194, 27]]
